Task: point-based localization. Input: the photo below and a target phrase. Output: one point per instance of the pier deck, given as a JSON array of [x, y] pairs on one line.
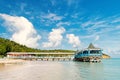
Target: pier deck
[[43, 56]]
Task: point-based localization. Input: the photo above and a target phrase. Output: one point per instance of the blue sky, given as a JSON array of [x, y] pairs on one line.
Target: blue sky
[[62, 24]]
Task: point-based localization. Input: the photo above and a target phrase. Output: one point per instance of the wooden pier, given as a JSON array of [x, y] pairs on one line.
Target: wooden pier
[[41, 56], [48, 59]]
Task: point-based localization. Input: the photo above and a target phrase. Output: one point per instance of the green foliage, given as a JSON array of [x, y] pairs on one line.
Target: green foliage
[[2, 49], [11, 46]]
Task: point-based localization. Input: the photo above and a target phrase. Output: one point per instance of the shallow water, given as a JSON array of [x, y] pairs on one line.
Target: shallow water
[[108, 69]]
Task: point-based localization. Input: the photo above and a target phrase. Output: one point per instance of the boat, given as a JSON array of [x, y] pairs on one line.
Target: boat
[[90, 54]]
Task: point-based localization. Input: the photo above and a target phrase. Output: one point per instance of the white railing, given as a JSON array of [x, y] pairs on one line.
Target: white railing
[[37, 57]]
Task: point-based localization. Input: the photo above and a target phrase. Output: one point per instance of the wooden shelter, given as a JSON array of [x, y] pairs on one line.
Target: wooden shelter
[[90, 54]]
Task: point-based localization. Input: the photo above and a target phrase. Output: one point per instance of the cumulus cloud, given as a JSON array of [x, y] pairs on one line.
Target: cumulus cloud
[[55, 37], [74, 40], [22, 30]]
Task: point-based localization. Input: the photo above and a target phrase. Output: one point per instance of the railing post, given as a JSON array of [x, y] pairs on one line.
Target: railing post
[[88, 52]]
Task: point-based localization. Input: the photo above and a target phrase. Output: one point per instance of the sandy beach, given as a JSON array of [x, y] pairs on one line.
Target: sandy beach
[[11, 61]]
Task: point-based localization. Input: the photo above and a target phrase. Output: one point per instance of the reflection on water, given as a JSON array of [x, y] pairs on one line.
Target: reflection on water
[[90, 71], [48, 70]]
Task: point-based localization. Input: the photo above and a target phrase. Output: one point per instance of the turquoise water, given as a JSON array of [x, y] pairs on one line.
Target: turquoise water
[[111, 68], [108, 69]]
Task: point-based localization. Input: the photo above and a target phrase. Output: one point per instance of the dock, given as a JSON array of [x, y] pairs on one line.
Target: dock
[[41, 56], [49, 59]]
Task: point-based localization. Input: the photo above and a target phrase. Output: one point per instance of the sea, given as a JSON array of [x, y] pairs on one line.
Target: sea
[[108, 69]]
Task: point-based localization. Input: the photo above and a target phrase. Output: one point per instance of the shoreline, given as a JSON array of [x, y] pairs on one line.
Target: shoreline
[[11, 61]]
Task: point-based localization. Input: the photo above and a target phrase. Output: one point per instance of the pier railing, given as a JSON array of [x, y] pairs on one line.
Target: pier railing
[[22, 57], [87, 55], [43, 58]]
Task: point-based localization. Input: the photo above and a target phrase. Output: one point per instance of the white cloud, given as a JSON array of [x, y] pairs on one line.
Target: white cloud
[[55, 38], [88, 23], [101, 25], [52, 17], [92, 26], [70, 2], [87, 36], [62, 23], [97, 38], [22, 6], [73, 3], [110, 51], [22, 30], [4, 35], [74, 40], [53, 2]]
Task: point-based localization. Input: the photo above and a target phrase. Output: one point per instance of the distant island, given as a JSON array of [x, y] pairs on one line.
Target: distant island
[[7, 45], [105, 56]]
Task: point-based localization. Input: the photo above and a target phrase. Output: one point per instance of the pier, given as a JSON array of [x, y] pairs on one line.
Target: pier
[[42, 56]]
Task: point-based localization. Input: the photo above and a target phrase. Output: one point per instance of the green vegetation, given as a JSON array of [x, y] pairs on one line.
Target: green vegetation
[[10, 46]]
